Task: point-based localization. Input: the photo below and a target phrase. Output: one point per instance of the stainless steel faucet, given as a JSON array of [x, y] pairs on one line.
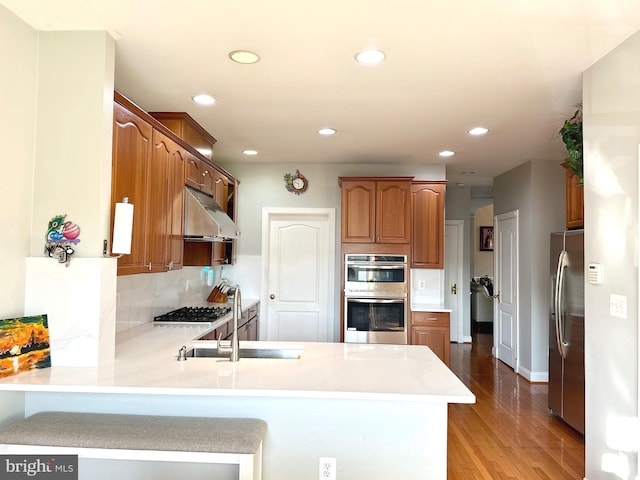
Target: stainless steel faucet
[[234, 347]]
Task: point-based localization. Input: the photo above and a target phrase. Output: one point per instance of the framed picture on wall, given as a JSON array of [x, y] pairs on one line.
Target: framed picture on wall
[[486, 239]]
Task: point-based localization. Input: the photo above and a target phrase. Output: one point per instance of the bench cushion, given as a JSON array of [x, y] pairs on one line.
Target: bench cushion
[[137, 432]]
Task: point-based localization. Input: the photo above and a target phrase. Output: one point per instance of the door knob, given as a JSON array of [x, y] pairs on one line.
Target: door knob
[[454, 289], [272, 296], [497, 296]]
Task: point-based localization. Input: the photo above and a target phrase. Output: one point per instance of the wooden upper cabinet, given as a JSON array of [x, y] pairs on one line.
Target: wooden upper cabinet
[[199, 175], [376, 210], [358, 211], [427, 246], [187, 129], [165, 218], [175, 207], [393, 211], [149, 168], [132, 142], [574, 200]]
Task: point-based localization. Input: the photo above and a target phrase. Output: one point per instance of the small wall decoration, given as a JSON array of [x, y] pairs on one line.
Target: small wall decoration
[[486, 238], [60, 239], [24, 344], [296, 183]]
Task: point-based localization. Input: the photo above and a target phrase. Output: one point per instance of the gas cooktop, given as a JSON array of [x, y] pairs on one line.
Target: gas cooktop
[[193, 315]]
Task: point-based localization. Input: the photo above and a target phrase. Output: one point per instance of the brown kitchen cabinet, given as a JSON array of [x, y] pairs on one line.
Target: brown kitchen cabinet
[[148, 169], [574, 200], [165, 221], [427, 245], [376, 209], [433, 330], [199, 175], [185, 127], [132, 145]]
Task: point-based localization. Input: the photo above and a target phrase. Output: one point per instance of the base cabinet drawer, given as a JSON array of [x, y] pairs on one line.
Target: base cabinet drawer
[[432, 330]]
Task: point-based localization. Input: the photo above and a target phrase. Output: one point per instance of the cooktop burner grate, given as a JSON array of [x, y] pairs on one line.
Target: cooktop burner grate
[[194, 314]]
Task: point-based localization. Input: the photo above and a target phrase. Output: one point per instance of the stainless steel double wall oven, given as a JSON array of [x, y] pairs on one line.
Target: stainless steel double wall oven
[[375, 298]]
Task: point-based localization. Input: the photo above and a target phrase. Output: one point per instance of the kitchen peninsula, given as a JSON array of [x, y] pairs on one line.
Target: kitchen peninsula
[[380, 410]]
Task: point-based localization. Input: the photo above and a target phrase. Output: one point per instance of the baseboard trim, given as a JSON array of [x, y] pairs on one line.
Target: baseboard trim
[[534, 377]]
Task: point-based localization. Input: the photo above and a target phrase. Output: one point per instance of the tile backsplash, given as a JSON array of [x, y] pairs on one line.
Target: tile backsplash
[[141, 297]]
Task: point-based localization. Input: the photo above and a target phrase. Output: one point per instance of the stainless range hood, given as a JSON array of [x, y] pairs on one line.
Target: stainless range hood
[[204, 219]]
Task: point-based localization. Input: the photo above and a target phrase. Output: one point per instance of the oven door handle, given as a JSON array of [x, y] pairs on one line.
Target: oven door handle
[[377, 300]]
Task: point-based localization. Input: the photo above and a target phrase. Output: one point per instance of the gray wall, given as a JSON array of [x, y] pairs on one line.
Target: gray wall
[[612, 133], [536, 190]]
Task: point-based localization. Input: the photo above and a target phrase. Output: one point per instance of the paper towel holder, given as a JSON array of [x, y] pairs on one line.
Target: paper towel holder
[[122, 228]]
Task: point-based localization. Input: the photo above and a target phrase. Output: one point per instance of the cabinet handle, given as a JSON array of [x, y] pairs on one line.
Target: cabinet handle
[[170, 265], [149, 266], [454, 289], [206, 172], [218, 180]]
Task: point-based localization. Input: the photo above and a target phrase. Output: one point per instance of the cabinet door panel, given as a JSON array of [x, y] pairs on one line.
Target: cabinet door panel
[[574, 200], [393, 212], [175, 206], [358, 211], [433, 338], [220, 189], [158, 220], [132, 139], [428, 225], [199, 175]]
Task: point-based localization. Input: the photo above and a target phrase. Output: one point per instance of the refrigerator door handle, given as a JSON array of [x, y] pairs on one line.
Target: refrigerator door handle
[[559, 302]]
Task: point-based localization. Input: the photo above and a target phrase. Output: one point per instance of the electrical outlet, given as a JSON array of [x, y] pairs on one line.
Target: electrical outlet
[[422, 284], [327, 468]]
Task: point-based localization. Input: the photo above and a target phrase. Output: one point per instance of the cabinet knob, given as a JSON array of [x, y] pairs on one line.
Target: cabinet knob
[[206, 172], [272, 296]]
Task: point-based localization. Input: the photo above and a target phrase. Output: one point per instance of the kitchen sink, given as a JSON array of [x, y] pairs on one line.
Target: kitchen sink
[[249, 351]]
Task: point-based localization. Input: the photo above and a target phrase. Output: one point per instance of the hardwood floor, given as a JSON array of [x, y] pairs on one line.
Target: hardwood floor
[[508, 433]]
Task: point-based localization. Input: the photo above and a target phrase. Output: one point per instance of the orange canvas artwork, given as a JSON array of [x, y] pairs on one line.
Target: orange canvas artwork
[[24, 344]]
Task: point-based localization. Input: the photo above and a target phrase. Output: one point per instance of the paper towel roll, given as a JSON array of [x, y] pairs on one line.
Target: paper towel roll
[[122, 227]]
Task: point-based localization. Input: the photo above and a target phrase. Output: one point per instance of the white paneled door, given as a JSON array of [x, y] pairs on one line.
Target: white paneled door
[[298, 254], [506, 289]]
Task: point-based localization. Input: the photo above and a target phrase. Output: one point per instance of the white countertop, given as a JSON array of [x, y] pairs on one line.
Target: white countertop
[[428, 307], [146, 364]]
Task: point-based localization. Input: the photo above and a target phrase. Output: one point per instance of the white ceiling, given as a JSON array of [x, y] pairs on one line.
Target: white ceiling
[[513, 66]]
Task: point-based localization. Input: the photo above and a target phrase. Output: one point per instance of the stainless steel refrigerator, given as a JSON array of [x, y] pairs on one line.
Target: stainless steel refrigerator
[[566, 328]]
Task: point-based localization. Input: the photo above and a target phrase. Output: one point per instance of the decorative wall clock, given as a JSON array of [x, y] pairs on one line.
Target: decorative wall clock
[[296, 183]]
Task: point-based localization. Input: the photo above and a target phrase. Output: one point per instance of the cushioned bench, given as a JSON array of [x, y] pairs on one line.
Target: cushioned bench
[[141, 437]]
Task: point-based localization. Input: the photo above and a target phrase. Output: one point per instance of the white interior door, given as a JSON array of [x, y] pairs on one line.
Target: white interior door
[[505, 289], [453, 284], [298, 256]]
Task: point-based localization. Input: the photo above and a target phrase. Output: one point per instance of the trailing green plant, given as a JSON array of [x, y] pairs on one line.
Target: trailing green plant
[[571, 133]]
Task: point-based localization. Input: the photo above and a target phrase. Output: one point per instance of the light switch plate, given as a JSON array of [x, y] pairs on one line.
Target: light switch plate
[[618, 306]]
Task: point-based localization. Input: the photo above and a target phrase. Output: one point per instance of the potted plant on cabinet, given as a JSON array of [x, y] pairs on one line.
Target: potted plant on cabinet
[[571, 133]]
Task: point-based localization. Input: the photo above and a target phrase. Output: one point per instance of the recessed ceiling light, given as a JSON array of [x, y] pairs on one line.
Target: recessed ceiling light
[[327, 131], [447, 153], [370, 56], [250, 152], [203, 99], [244, 56], [478, 131]]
